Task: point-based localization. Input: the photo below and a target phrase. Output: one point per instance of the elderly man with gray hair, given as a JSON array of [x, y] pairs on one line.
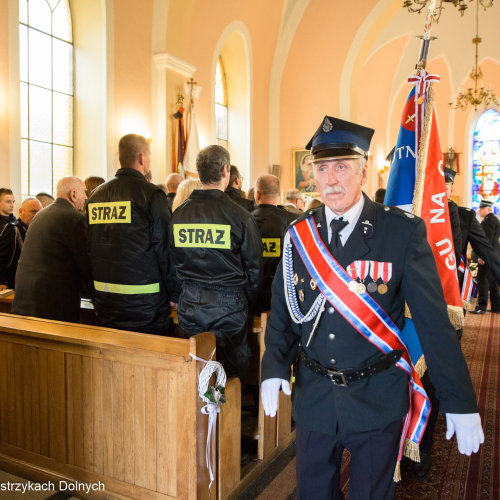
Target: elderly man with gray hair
[[294, 202], [54, 269]]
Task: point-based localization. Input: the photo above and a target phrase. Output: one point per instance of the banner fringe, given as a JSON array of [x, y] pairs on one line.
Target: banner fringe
[[421, 366], [411, 450], [418, 192], [397, 472], [456, 315]]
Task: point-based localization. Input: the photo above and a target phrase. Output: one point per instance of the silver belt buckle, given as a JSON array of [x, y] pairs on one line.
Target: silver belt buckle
[[333, 373]]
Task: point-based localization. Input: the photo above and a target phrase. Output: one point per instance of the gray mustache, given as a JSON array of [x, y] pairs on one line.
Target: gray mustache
[[334, 190]]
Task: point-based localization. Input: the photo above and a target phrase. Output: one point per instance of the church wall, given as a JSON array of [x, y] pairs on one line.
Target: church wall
[[348, 60], [132, 68], [196, 42], [311, 79]]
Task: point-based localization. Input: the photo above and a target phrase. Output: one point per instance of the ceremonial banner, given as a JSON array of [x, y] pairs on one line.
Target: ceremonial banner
[[192, 147], [401, 182], [431, 203], [179, 142], [416, 180]]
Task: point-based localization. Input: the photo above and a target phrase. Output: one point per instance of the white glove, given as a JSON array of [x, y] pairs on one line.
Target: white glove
[[468, 428], [270, 389]]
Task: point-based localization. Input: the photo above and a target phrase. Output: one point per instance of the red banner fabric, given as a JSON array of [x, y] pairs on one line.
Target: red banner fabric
[[437, 219]]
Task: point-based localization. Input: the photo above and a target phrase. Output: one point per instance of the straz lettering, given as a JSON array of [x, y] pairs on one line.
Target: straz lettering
[[203, 236], [113, 212], [272, 247]]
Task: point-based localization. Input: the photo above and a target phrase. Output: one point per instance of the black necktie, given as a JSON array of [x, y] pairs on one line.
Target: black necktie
[[337, 225]]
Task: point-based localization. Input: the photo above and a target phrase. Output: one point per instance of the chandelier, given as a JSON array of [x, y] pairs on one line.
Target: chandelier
[[418, 5], [477, 96]]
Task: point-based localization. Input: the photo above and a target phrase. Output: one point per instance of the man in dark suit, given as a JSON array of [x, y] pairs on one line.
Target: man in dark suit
[[485, 279], [473, 233], [233, 189], [347, 392], [294, 202], [54, 269]]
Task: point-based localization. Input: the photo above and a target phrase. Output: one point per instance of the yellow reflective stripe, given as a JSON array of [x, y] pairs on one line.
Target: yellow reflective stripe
[[271, 246], [126, 289], [203, 235]]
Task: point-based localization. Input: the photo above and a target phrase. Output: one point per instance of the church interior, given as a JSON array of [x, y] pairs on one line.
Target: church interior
[[286, 65], [256, 76]]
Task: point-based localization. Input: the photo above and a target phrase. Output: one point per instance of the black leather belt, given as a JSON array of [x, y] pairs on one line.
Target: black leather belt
[[345, 377]]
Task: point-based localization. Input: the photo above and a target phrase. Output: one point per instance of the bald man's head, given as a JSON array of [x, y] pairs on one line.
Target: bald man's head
[[267, 190], [28, 209], [173, 181], [72, 189]]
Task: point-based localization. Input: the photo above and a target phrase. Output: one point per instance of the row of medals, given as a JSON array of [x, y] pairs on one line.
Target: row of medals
[[354, 286], [359, 287]]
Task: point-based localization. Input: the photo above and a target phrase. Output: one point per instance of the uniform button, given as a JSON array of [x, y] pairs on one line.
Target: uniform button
[[331, 336], [331, 310], [332, 361]]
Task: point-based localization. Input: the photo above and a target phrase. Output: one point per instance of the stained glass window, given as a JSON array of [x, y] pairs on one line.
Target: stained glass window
[[221, 104], [46, 87], [486, 160]]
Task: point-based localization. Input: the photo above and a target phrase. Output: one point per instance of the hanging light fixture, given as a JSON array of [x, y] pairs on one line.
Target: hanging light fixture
[[461, 5], [477, 96]]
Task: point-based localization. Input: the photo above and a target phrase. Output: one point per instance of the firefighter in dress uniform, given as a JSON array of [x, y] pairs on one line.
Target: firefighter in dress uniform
[[218, 256], [485, 273], [347, 270]]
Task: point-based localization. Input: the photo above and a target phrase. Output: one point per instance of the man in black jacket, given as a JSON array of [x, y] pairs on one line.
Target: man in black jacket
[[12, 238], [485, 279], [471, 233], [128, 233], [233, 189], [330, 316], [54, 269], [273, 222], [218, 252]]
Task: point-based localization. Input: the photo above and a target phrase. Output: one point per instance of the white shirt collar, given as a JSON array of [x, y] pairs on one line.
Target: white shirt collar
[[351, 216]]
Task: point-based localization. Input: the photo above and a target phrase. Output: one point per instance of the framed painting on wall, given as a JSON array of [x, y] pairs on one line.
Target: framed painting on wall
[[303, 173]]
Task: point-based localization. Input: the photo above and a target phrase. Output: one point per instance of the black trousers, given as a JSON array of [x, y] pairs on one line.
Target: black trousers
[[222, 311], [373, 460], [486, 283]]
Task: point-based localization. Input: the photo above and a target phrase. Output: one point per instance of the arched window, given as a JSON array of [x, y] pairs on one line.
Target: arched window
[[46, 85], [485, 160], [221, 104]]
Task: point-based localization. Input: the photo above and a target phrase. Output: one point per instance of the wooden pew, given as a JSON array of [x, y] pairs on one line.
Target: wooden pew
[[274, 433], [71, 386], [90, 404]]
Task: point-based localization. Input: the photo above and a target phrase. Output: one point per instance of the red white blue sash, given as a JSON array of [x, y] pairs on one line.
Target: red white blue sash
[[469, 286], [365, 315]]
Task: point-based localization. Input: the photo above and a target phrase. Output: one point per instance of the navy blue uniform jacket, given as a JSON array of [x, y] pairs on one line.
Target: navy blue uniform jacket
[[383, 234]]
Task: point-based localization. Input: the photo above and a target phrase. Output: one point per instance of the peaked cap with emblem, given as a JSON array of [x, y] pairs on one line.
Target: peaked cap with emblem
[[337, 138], [486, 204], [449, 175]]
